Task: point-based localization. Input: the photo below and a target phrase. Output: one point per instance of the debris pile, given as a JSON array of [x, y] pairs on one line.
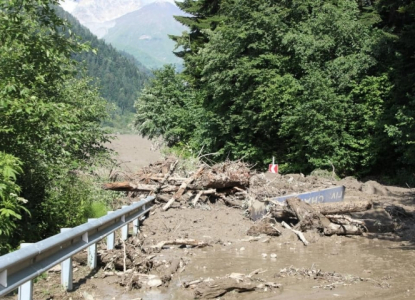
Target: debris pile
[[236, 185], [326, 280], [226, 181], [138, 265]]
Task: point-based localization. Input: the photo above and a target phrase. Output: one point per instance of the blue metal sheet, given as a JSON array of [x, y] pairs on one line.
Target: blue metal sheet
[[335, 194]]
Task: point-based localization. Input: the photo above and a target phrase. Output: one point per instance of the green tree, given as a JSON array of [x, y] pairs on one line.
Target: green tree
[[398, 21], [50, 115], [282, 81], [167, 108], [204, 16]]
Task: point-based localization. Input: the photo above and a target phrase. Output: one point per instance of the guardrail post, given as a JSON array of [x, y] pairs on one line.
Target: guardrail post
[[110, 238], [124, 229], [66, 270], [25, 291], [92, 253], [136, 225]]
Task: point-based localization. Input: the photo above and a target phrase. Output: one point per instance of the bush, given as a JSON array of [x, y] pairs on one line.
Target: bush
[[73, 199], [11, 205]]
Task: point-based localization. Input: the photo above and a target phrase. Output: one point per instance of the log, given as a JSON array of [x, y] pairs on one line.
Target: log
[[310, 218], [174, 265], [215, 289], [344, 220], [298, 233], [282, 212], [181, 242], [208, 192], [183, 188], [157, 189], [119, 186], [129, 186], [160, 177], [230, 202]]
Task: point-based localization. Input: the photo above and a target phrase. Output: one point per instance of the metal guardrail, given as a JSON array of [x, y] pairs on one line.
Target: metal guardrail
[[20, 267]]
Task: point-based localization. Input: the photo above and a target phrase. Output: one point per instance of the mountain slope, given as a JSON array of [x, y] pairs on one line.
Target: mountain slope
[[120, 76], [98, 15], [144, 34]]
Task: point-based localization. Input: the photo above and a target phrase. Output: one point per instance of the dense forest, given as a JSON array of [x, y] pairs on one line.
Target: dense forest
[[119, 75], [50, 125], [315, 83]]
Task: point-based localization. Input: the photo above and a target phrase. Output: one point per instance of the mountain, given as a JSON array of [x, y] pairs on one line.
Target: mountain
[[119, 75], [98, 15], [144, 34], [138, 27]]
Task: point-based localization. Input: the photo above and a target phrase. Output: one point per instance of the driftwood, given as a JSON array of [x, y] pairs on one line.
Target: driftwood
[[129, 186], [210, 289], [230, 202], [159, 186], [181, 242], [298, 233], [208, 192], [215, 289], [174, 265], [183, 188], [344, 220], [310, 218], [226, 175], [336, 208]]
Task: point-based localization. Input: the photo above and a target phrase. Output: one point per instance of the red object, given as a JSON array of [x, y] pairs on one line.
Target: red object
[[273, 168]]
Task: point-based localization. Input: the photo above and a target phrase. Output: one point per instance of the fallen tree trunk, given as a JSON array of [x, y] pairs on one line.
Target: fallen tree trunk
[[310, 218], [129, 186], [335, 208], [181, 242], [215, 289], [174, 265]]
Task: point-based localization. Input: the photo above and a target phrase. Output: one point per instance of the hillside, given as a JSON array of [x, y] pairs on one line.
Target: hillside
[[144, 34], [98, 15], [120, 75]]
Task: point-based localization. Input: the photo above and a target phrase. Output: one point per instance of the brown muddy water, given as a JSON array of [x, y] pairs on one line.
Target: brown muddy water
[[387, 267]]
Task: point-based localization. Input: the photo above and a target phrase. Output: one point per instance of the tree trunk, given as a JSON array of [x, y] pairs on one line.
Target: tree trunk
[[311, 218], [282, 212]]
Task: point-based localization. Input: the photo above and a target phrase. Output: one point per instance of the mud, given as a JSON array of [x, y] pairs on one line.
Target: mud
[[377, 265], [133, 151]]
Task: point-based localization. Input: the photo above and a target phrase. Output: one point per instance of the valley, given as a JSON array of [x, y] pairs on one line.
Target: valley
[[140, 28]]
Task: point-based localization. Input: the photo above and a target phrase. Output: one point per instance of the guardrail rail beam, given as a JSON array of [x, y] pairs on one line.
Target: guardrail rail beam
[[20, 267]]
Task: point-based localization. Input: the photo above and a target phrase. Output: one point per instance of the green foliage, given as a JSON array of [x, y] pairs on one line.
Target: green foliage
[[314, 83], [50, 112], [204, 15], [11, 205], [71, 200], [167, 108], [398, 19]]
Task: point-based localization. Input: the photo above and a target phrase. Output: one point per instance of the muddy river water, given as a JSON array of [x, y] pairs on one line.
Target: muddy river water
[[387, 267]]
